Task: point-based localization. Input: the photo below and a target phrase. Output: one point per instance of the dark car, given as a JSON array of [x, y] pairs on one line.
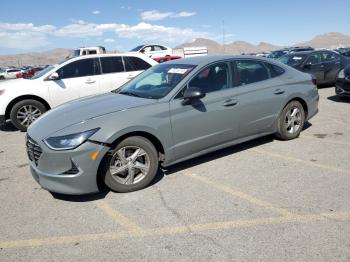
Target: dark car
[[284, 51], [323, 64], [342, 85], [343, 51]]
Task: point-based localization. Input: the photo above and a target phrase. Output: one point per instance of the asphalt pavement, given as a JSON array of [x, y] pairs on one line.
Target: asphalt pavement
[[265, 200]]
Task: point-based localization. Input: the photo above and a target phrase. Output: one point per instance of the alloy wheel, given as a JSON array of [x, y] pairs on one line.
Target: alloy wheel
[[129, 165], [293, 120], [28, 114]]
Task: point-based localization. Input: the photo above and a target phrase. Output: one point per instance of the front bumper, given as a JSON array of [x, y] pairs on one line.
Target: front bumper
[[70, 172], [341, 91]]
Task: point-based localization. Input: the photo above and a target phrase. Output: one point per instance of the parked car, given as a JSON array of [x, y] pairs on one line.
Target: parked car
[[323, 64], [153, 51], [166, 58], [281, 52], [92, 50], [24, 100], [9, 73], [342, 85], [174, 111], [29, 72], [343, 51]]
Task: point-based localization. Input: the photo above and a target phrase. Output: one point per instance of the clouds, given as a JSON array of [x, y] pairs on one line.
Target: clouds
[[155, 15], [29, 36], [96, 12]]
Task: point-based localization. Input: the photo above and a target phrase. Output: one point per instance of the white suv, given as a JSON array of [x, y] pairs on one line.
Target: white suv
[[9, 73], [24, 100]]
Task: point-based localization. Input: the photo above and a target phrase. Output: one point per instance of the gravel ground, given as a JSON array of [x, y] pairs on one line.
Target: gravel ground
[[265, 200]]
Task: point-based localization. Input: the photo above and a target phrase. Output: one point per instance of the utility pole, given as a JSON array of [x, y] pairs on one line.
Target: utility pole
[[223, 36]]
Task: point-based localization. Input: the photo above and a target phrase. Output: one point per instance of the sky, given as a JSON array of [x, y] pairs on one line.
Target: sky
[[121, 25]]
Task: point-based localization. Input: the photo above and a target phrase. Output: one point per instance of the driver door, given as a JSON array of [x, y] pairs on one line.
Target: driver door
[[207, 122], [314, 66]]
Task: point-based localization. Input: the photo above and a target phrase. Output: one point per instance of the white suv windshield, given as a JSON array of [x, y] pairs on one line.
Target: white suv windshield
[[157, 81]]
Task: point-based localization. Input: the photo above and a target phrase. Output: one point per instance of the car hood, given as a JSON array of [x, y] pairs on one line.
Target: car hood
[[82, 110]]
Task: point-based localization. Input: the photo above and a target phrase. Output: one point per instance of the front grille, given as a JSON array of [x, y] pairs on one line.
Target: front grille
[[33, 150]]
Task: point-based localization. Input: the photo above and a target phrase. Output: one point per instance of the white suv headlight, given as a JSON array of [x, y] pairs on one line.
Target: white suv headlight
[[69, 142]]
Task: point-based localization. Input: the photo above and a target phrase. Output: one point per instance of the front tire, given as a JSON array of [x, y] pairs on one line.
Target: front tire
[[25, 112], [291, 121], [131, 165]]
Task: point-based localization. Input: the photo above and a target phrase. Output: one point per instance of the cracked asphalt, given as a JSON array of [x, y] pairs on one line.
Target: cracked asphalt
[[265, 200]]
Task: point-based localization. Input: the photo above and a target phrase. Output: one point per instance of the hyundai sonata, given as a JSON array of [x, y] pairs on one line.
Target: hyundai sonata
[[172, 112]]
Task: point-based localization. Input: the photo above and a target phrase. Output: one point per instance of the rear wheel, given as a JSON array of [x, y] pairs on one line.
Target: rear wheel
[[131, 165], [25, 112], [291, 121]]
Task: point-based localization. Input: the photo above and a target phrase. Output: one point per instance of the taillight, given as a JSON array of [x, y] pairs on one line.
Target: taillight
[[314, 80]]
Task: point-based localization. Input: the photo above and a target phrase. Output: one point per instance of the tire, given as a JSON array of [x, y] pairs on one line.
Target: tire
[[2, 78], [25, 112], [116, 169], [289, 126]]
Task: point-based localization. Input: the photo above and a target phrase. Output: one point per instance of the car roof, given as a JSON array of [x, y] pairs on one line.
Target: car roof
[[204, 60]]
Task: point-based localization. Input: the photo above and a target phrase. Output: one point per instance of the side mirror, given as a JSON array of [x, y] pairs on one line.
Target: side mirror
[[54, 76], [192, 93], [307, 65]]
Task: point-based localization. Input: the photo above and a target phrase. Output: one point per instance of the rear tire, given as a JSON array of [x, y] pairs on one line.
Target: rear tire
[[291, 121], [131, 165], [25, 112]]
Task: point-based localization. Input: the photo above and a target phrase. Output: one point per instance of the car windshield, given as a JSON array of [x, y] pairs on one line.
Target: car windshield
[[292, 60], [49, 68], [137, 48], [157, 81]]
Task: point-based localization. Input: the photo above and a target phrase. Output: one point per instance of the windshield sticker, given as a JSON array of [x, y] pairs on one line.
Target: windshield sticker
[[177, 71], [297, 58]]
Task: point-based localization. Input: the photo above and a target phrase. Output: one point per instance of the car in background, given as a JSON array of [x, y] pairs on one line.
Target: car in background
[[174, 111], [324, 65], [29, 72], [92, 50], [342, 85], [153, 51], [343, 51], [166, 58], [24, 100], [281, 52], [9, 73]]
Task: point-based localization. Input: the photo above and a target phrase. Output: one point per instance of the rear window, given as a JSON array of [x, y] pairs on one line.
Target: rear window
[[135, 64], [274, 70], [113, 64], [251, 71]]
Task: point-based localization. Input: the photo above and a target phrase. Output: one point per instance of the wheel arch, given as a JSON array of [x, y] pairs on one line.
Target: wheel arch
[[23, 97]]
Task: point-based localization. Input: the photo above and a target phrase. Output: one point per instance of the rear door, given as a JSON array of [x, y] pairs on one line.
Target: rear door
[[76, 79], [313, 65], [259, 95], [332, 65], [113, 73]]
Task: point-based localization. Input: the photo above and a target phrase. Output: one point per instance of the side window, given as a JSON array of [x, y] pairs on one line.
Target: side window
[[80, 68], [162, 47], [274, 69], [113, 64], [157, 48], [135, 64], [92, 52], [211, 79], [147, 49], [328, 57], [250, 71], [313, 59]]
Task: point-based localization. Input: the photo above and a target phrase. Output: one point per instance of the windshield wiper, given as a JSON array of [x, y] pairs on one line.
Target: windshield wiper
[[129, 93]]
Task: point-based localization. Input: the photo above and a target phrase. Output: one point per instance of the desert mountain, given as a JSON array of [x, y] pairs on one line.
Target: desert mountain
[[329, 40]]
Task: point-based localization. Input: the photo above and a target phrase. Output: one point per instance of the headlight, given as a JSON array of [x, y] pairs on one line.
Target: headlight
[[341, 74], [69, 142]]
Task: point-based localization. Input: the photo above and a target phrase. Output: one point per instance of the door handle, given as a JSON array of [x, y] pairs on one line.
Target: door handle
[[89, 81], [279, 92], [230, 102]]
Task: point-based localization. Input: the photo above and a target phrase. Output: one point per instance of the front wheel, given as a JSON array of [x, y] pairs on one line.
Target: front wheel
[[131, 165], [25, 112], [291, 121]]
